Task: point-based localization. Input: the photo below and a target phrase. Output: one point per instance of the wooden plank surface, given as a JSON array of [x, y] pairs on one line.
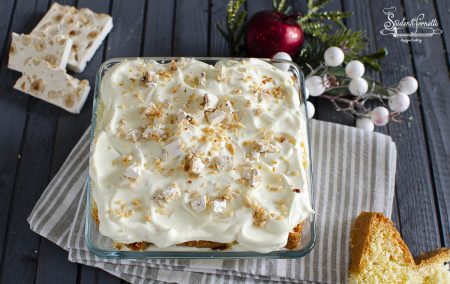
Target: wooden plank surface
[[6, 13], [13, 107], [443, 11], [44, 134], [414, 191], [21, 245], [32, 177], [363, 19], [126, 36], [190, 36], [254, 6], [429, 62], [92, 275], [159, 28], [53, 266], [217, 46], [327, 111]]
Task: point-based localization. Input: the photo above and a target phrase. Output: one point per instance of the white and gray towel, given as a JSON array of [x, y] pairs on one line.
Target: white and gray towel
[[354, 171]]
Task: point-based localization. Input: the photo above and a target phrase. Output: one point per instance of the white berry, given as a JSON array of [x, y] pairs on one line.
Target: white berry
[[399, 102], [354, 69], [365, 124], [408, 85], [310, 109], [315, 86], [380, 116], [334, 56], [306, 93], [283, 56], [358, 87]]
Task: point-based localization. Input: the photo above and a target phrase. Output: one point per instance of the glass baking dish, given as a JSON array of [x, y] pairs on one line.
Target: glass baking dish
[[102, 246]]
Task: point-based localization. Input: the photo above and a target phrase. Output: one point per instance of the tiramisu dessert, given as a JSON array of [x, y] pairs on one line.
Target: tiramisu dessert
[[191, 154]]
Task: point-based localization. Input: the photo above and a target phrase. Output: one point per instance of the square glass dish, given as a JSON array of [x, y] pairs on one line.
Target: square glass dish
[[102, 246]]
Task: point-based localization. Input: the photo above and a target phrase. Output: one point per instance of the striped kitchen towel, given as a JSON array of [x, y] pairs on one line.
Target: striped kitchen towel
[[353, 170]]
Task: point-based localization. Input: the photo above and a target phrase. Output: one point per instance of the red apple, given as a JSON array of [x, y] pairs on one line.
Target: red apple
[[269, 32]]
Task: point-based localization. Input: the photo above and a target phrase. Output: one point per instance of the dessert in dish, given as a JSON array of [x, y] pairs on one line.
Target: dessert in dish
[[379, 255], [191, 154]]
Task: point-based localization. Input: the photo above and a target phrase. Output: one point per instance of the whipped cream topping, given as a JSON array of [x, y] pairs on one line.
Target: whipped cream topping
[[188, 151]]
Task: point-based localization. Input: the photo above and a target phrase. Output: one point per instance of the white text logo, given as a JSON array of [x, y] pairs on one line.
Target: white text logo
[[409, 31]]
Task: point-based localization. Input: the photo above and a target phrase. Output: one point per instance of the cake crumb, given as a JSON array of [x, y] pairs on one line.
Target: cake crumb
[[147, 218]]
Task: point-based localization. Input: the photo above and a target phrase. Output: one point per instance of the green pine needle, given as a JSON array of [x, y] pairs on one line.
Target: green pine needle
[[334, 16], [351, 42], [315, 17], [314, 5], [281, 6], [234, 29]]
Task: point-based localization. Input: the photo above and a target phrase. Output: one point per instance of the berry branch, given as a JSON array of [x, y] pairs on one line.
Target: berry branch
[[347, 85]]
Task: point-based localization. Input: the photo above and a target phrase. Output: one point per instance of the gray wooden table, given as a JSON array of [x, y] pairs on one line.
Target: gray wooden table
[[36, 137]]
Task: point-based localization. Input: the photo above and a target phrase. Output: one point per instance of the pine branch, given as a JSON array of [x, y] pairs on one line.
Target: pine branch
[[315, 29], [234, 29], [281, 6], [351, 42], [378, 54], [311, 53], [316, 22], [334, 16], [314, 6], [278, 5], [372, 59]]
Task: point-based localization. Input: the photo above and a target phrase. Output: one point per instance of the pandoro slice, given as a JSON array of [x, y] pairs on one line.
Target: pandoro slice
[[55, 51], [86, 28], [53, 85], [379, 255]]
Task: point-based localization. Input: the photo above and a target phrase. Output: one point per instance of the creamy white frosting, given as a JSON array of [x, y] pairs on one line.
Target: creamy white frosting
[[163, 171]]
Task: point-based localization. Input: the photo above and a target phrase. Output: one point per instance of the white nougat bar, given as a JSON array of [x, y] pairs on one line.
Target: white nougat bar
[[53, 85], [55, 51], [86, 28]]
